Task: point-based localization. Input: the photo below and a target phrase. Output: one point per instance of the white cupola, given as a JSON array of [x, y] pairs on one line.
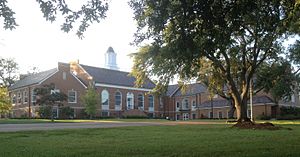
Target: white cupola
[[111, 59]]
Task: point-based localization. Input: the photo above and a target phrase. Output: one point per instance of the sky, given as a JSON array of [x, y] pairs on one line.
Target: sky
[[39, 43]]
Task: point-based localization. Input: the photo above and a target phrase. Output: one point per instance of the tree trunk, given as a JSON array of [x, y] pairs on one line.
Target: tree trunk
[[241, 111], [232, 109]]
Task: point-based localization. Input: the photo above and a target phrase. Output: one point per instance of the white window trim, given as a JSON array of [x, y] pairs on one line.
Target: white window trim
[[107, 98], [143, 100], [32, 94], [131, 94], [151, 109], [123, 87], [75, 100], [24, 96]]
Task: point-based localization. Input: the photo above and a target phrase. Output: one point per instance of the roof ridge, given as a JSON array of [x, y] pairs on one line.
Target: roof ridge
[[105, 68]]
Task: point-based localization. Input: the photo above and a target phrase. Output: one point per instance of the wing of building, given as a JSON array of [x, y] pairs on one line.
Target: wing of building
[[117, 92]]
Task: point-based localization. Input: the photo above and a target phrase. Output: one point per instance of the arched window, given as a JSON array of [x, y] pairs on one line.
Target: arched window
[[151, 101], [105, 98], [130, 101], [185, 104], [141, 101], [118, 99]]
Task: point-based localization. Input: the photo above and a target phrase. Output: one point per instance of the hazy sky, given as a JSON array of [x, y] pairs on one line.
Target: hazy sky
[[39, 43]]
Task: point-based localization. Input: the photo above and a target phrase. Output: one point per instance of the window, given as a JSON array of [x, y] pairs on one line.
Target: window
[[151, 100], [55, 91], [177, 105], [220, 114], [141, 101], [194, 116], [64, 75], [177, 117], [105, 114], [185, 104], [72, 96], [25, 96], [118, 99], [33, 95], [14, 98], [19, 97], [104, 97], [130, 103], [194, 103], [211, 115]]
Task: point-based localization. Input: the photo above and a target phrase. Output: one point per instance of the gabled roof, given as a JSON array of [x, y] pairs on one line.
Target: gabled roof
[[191, 89], [171, 89], [33, 79], [223, 102], [113, 77]]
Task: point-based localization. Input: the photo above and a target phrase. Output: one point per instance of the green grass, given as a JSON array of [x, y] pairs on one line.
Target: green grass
[[153, 141], [29, 121]]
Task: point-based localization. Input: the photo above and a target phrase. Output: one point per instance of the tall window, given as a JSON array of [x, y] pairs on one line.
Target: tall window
[[19, 97], [25, 96], [64, 75], [151, 101], [220, 114], [104, 97], [194, 103], [33, 95], [185, 104], [130, 102], [72, 96], [141, 101], [177, 105], [118, 99], [14, 98]]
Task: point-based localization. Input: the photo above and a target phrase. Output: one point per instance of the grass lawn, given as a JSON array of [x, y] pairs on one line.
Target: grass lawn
[[29, 121], [173, 141]]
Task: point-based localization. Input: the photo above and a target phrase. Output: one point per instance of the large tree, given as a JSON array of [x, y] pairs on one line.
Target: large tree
[[232, 37], [49, 96], [8, 72], [92, 11]]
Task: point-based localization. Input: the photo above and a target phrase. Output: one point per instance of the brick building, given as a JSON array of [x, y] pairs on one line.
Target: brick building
[[120, 98], [118, 94], [195, 102]]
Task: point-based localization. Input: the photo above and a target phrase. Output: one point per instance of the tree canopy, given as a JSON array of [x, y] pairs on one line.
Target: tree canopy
[[8, 72], [92, 11], [232, 38]]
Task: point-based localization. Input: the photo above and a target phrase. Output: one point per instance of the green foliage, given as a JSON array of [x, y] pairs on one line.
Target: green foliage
[[66, 112], [92, 11], [289, 110], [8, 70], [5, 103], [221, 42], [277, 79], [45, 111], [263, 117], [8, 15], [48, 96], [91, 98]]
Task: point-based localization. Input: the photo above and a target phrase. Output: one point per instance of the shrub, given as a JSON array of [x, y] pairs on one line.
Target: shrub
[[288, 117], [45, 111], [289, 111], [263, 117], [66, 112]]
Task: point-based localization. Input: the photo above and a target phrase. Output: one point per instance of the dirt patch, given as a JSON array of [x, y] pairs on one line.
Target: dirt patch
[[258, 126]]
